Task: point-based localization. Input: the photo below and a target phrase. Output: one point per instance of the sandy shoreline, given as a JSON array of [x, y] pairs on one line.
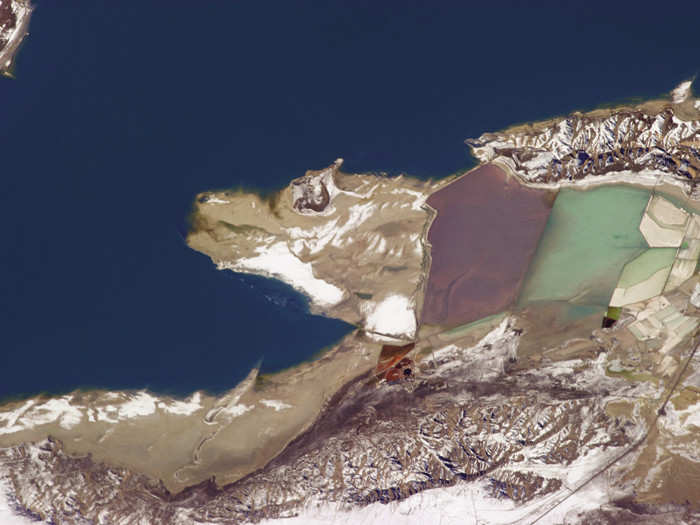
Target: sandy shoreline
[[184, 442], [647, 179], [231, 435], [685, 109]]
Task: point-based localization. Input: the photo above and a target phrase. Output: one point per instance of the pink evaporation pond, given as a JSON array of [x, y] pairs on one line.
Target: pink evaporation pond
[[483, 238]]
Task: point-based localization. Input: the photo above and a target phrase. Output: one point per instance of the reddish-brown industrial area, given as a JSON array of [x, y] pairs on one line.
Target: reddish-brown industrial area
[[393, 364]]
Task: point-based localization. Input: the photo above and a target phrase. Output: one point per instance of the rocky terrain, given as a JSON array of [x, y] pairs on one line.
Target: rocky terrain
[[585, 426], [14, 21], [535, 438], [643, 144], [353, 243]]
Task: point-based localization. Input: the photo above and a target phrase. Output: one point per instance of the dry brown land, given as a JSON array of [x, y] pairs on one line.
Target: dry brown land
[[361, 234], [227, 438]]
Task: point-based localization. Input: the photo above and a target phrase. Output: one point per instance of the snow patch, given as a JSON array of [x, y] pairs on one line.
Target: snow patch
[[384, 339], [462, 504], [277, 261], [420, 197], [215, 200], [277, 405], [67, 413], [183, 408], [682, 92], [7, 515], [642, 178], [10, 417], [142, 404], [394, 315], [483, 361], [237, 410], [679, 422], [541, 160], [107, 414], [59, 410], [694, 417], [695, 297], [31, 415]]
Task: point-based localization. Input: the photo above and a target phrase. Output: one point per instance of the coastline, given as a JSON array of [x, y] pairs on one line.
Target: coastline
[[647, 179], [298, 384], [101, 423], [9, 53], [643, 104], [237, 447]]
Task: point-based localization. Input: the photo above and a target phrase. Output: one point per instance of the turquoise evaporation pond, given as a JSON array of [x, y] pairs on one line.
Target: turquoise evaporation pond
[[588, 239]]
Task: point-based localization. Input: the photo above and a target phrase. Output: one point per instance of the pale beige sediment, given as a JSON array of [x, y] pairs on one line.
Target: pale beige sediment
[[642, 291], [369, 241], [658, 236], [682, 270], [183, 450], [666, 214]]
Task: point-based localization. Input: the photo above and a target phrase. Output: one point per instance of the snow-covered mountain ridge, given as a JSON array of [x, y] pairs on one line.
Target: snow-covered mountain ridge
[[634, 144]]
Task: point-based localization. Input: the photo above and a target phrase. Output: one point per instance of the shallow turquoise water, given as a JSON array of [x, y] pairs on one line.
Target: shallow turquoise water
[[589, 237]]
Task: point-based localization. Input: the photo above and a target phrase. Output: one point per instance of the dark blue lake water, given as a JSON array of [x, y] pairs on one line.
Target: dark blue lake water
[[122, 111]]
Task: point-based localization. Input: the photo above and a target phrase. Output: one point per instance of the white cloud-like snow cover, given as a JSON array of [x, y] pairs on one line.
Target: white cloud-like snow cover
[[277, 261], [332, 232], [141, 404], [237, 410], [68, 411], [32, 414], [7, 515], [394, 315], [462, 504], [214, 200], [184, 408], [274, 403], [681, 92]]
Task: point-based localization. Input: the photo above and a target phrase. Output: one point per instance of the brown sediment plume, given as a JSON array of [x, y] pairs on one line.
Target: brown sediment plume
[[483, 238]]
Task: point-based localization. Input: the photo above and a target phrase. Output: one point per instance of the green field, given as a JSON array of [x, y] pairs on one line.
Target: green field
[[645, 265]]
